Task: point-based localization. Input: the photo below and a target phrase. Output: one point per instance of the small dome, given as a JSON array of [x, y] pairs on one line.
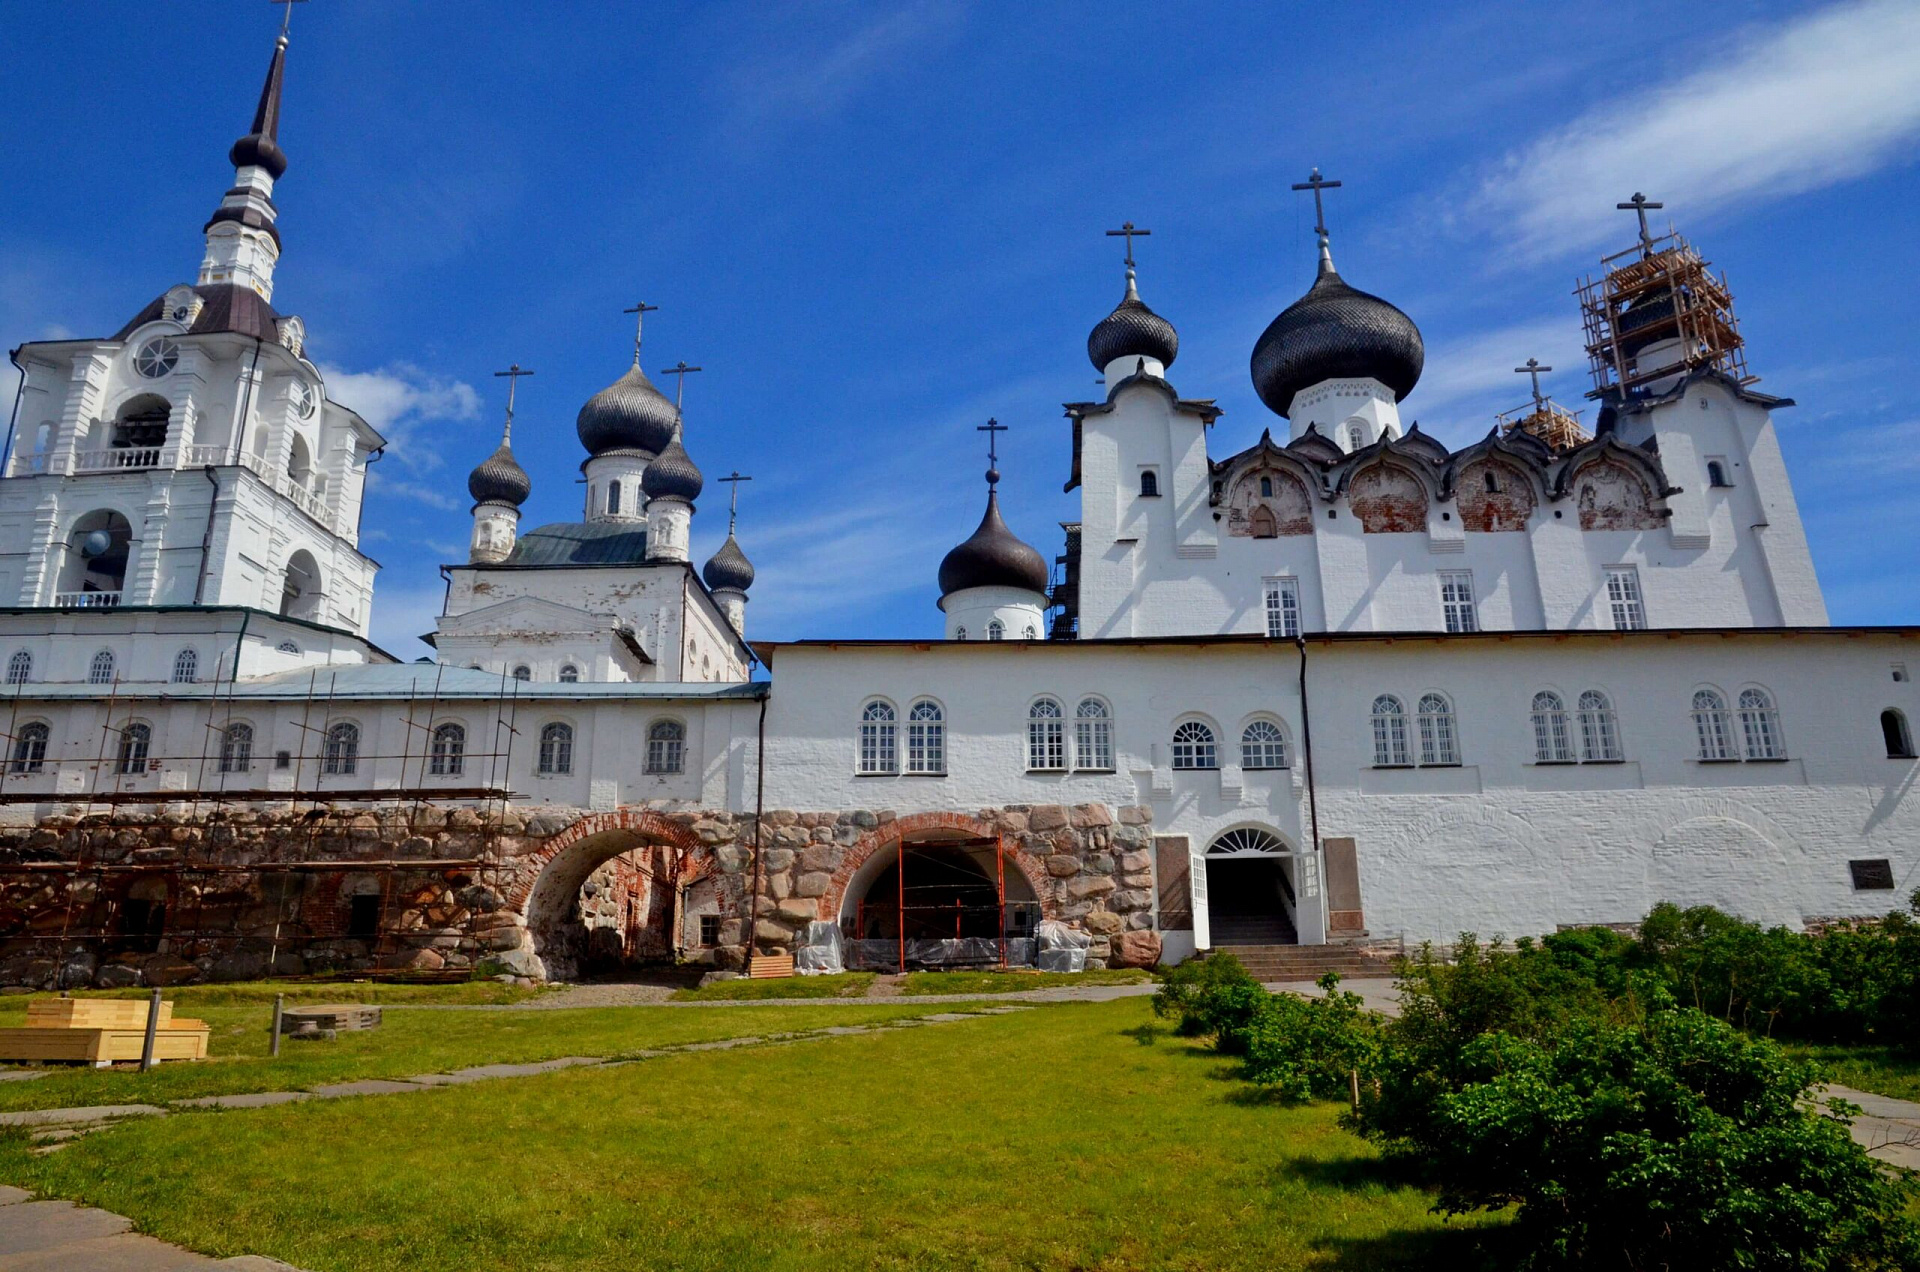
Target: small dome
[[1132, 330], [993, 557], [729, 567], [672, 473], [629, 414], [1335, 332], [500, 479]]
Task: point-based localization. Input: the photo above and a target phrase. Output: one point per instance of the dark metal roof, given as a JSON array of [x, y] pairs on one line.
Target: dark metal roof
[[993, 557], [261, 147], [500, 479], [628, 415], [227, 307], [580, 543], [1335, 332], [1132, 330], [672, 473], [729, 567], [245, 216]]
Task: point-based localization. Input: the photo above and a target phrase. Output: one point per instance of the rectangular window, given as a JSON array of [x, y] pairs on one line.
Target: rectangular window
[[709, 929], [1283, 608], [363, 917], [1456, 601], [1623, 598]]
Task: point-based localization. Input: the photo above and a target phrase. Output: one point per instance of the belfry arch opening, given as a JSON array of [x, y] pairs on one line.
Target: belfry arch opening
[[1252, 897], [95, 569], [939, 900], [609, 904], [300, 593]]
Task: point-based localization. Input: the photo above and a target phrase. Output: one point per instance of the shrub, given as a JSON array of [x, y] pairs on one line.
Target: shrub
[[1675, 1141], [1307, 1048], [1213, 997]]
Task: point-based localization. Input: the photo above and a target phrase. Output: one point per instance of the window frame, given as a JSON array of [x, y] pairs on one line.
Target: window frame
[[569, 674], [1758, 713], [1281, 757], [1459, 616], [1388, 716], [1046, 750], [926, 738], [1438, 729], [101, 672], [1552, 728], [25, 758], [666, 747], [447, 749], [554, 757], [134, 750], [877, 743], [1711, 717], [1898, 738], [186, 667], [1093, 735], [1598, 725], [236, 748], [340, 752], [1150, 482], [1280, 594], [1626, 599], [1194, 747], [20, 667]]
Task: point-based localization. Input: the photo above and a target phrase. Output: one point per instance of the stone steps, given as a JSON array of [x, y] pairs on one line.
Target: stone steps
[[1308, 962]]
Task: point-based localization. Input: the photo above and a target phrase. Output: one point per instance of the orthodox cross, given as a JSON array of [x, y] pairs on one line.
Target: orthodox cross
[[1316, 184], [990, 428], [286, 15], [682, 370], [1535, 370], [1639, 203], [513, 374], [640, 312], [1127, 232], [733, 479]]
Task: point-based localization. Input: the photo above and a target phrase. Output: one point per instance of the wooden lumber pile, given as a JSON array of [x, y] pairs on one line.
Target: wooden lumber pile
[[770, 967], [101, 1031]]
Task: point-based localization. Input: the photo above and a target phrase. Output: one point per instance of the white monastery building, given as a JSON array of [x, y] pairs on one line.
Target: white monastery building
[[1344, 687]]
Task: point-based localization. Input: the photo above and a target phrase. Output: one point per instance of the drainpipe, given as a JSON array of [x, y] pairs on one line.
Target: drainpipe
[[6, 453], [759, 814], [360, 515], [246, 404], [1306, 760], [206, 538]]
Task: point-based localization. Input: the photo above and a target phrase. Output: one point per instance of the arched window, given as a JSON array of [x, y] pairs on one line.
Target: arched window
[[1713, 726], [287, 647], [878, 750], [1717, 473], [613, 498], [100, 670], [135, 741], [1149, 482], [523, 672], [1093, 736], [1046, 736], [236, 748], [1389, 733], [300, 593], [1439, 738], [996, 630], [1599, 730], [1246, 841], [1194, 747], [1760, 726], [1263, 746], [449, 758], [1899, 739], [20, 668], [569, 675], [1493, 483], [30, 748], [186, 667], [342, 754], [1552, 739], [666, 747], [1356, 437], [1033, 633], [926, 738], [959, 633], [1266, 487], [556, 749]]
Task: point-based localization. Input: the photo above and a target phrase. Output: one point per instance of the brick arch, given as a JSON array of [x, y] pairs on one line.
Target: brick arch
[[886, 838], [635, 821]]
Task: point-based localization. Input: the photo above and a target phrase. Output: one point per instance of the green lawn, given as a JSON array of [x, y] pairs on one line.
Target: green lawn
[[408, 1042], [1011, 982], [843, 985], [1076, 1136], [1883, 1070]]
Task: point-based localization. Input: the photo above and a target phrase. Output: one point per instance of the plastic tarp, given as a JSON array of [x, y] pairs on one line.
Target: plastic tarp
[[1062, 949], [819, 953], [883, 954]]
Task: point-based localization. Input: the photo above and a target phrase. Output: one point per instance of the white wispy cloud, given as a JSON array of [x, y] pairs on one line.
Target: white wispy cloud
[[1818, 100], [400, 399], [820, 64], [397, 490], [1470, 377]]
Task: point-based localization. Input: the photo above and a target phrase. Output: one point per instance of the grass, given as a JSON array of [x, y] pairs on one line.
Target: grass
[[1883, 1070], [1011, 982], [843, 985], [1075, 1136], [406, 1043]]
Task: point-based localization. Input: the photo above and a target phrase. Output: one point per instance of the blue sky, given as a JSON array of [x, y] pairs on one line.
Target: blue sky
[[876, 225]]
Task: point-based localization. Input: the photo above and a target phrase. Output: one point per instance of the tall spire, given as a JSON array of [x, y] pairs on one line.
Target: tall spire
[[243, 244], [260, 148]]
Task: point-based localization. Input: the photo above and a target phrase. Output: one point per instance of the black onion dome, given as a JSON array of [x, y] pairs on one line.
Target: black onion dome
[[500, 479], [1335, 332], [1132, 330], [629, 414], [672, 473], [993, 557], [729, 567]]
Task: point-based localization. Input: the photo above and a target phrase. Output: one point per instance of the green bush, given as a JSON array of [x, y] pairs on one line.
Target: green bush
[[1308, 1048], [1213, 997], [1674, 1141]]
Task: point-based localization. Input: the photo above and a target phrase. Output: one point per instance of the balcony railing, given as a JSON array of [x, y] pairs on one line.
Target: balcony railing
[[122, 459], [85, 600]]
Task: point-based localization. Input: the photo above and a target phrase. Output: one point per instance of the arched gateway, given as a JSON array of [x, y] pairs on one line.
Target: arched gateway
[[1250, 889]]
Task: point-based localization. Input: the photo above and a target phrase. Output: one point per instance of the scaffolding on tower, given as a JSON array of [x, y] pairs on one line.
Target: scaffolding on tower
[[1660, 298]]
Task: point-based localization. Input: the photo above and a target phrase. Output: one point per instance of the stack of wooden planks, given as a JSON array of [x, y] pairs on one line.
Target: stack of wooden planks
[[770, 967], [101, 1031]]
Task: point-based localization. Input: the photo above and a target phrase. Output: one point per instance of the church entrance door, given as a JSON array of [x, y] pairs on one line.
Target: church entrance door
[[1249, 890]]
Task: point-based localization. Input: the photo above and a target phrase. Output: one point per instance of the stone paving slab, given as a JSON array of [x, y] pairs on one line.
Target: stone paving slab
[[9, 1195], [22, 1075], [253, 1100], [90, 1113], [39, 1225], [254, 1263], [126, 1252], [478, 1072], [365, 1086]]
